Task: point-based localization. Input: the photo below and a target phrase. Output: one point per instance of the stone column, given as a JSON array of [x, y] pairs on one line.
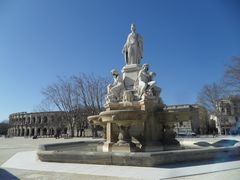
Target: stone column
[[55, 131], [20, 132], [25, 131], [109, 132], [38, 122], [35, 131], [232, 108], [107, 146], [48, 131], [29, 131], [41, 132]]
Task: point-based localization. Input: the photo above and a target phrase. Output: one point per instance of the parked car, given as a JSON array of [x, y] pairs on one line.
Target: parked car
[[186, 134]]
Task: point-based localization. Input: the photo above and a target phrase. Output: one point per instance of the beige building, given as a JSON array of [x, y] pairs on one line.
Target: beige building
[[198, 121], [227, 120]]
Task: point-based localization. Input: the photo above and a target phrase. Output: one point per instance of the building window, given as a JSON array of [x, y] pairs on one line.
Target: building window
[[52, 117], [228, 110], [222, 109], [33, 120], [39, 119]]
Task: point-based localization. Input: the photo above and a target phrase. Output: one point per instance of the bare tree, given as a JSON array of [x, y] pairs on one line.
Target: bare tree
[[210, 94], [209, 97], [64, 96], [4, 128], [77, 97], [232, 75], [44, 106], [92, 91], [82, 123]]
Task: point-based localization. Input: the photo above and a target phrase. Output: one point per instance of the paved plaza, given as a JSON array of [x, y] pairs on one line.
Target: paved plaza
[[18, 161]]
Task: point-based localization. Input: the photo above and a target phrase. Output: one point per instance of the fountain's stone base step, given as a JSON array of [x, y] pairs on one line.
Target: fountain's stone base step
[[48, 153]]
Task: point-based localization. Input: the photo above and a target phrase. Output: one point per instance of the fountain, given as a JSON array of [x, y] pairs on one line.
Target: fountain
[[137, 129], [135, 119]]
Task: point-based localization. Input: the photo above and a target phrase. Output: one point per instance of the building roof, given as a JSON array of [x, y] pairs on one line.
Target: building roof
[[181, 106]]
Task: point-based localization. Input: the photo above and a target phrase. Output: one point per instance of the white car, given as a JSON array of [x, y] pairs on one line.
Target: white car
[[186, 134]]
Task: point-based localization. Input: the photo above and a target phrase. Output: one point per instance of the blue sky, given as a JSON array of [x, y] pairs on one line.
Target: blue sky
[[187, 43]]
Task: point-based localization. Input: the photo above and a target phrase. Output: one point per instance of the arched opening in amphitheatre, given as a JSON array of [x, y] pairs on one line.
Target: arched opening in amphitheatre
[[39, 119], [28, 132], [28, 120], [32, 132], [33, 120], [44, 131], [38, 131], [65, 131], [59, 130], [52, 132], [23, 132]]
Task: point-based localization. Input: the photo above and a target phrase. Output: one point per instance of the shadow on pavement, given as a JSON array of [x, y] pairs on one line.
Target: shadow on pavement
[[218, 159], [203, 144], [221, 143], [6, 175], [225, 143]]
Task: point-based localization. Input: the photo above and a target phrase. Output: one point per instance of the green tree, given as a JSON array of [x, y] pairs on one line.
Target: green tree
[[4, 128]]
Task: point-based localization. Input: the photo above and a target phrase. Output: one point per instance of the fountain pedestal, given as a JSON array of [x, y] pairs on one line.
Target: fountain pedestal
[[139, 126]]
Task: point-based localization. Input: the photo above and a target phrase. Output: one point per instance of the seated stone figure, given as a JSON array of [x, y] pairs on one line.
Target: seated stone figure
[[155, 89], [146, 84], [115, 90]]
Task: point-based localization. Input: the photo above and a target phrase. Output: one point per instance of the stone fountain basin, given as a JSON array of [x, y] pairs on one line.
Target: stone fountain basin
[[119, 116], [86, 153], [124, 116]]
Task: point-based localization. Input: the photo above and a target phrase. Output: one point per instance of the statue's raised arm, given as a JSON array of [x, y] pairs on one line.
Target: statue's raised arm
[[133, 48]]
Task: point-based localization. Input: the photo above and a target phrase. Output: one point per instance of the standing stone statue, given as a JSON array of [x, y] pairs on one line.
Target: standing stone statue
[[133, 48]]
